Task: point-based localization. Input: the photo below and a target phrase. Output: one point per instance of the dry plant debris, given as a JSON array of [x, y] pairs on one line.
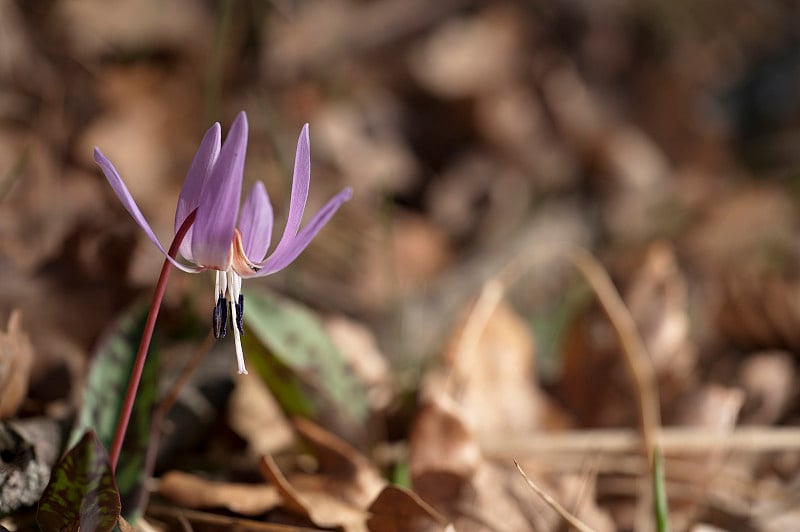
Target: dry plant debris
[[495, 150]]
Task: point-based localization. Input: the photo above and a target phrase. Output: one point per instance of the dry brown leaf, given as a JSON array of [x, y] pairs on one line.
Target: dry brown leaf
[[359, 481], [95, 27], [468, 56], [365, 146], [254, 414], [769, 380], [399, 510], [713, 407], [579, 495], [449, 473], [658, 301], [776, 514], [479, 199], [360, 349], [441, 441], [716, 409], [316, 38], [489, 364], [496, 377], [140, 121], [625, 152], [593, 383], [16, 358], [515, 122], [124, 525], [759, 311], [194, 492], [742, 230], [406, 259], [315, 498], [32, 227]]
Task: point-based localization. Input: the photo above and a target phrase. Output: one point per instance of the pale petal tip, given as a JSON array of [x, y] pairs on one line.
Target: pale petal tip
[[304, 140], [240, 117]]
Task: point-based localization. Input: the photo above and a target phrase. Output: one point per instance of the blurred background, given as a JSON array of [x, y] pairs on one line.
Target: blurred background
[[661, 136]]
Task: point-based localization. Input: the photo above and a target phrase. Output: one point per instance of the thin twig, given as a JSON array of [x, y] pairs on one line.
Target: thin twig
[[560, 510], [671, 439], [636, 357], [222, 521], [186, 373], [165, 405], [635, 353]]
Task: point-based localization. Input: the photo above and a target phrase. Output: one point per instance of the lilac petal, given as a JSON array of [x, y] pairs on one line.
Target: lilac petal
[[300, 183], [282, 258], [219, 201], [198, 172], [255, 223], [115, 180]]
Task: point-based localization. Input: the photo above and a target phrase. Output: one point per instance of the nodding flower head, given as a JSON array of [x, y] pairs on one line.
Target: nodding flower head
[[232, 241]]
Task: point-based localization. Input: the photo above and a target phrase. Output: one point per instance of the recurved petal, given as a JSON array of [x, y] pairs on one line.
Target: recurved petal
[[198, 172], [300, 184], [255, 223], [115, 180], [281, 258], [219, 201]]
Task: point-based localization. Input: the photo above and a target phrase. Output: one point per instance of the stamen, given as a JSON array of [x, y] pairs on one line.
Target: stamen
[[240, 314], [219, 318], [221, 283]]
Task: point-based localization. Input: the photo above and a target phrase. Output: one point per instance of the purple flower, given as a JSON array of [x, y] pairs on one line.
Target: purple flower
[[213, 186]]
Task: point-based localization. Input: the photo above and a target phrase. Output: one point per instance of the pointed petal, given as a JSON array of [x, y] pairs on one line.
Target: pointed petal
[[219, 201], [198, 172], [255, 223], [300, 183], [282, 258], [115, 180]]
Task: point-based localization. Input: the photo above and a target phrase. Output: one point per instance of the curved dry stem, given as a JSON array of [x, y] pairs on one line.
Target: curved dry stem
[[637, 359]]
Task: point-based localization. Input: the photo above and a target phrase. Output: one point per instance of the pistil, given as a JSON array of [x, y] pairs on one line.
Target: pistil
[[237, 311]]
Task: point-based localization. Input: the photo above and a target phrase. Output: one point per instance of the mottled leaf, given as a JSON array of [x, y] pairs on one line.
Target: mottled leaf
[[82, 494], [290, 350], [105, 389]]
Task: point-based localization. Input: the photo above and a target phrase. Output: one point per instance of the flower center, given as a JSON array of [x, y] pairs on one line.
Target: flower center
[[240, 263]]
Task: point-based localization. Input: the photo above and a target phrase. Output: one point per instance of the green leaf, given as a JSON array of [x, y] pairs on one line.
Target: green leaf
[[661, 508], [105, 390], [82, 494], [289, 349]]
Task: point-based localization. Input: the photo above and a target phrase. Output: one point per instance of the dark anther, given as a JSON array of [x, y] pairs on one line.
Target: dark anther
[[240, 314], [219, 319]]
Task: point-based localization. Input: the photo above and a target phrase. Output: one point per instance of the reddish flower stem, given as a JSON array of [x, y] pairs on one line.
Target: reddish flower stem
[[144, 345]]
